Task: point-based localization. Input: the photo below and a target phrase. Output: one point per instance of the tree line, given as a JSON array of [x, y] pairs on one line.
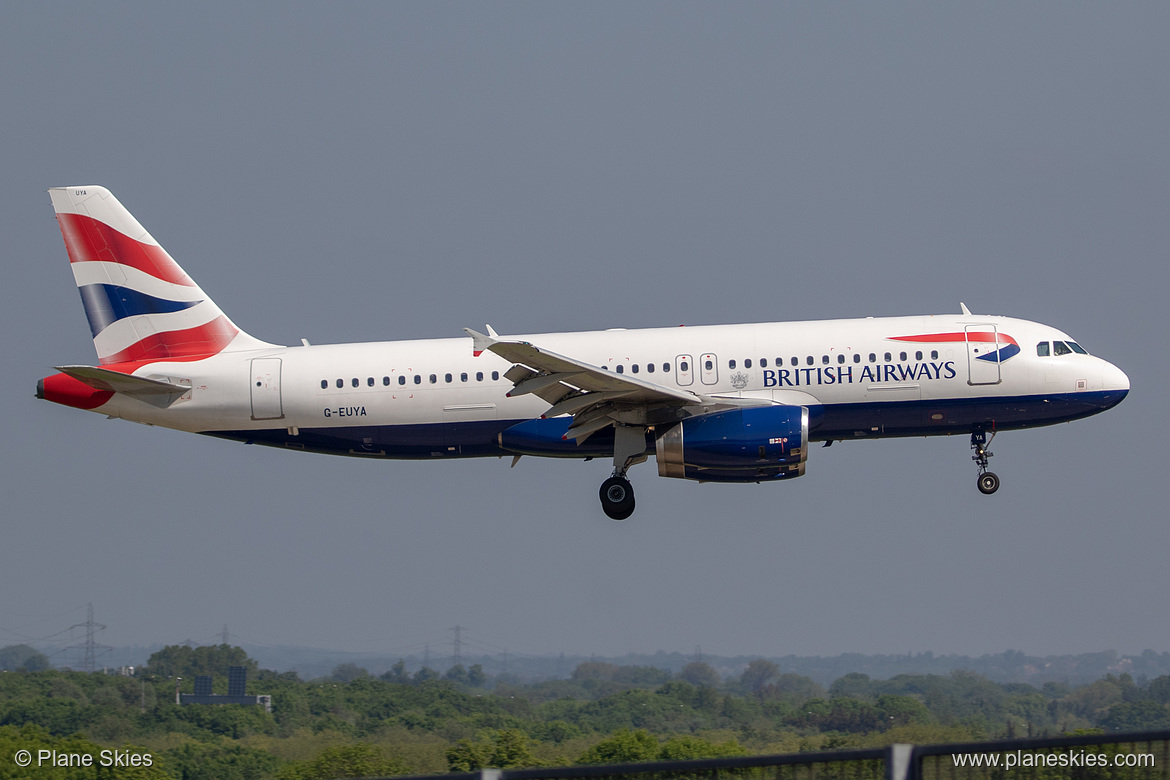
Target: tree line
[[352, 723]]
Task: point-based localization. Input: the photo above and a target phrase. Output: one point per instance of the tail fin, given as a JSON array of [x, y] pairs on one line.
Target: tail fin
[[141, 305]]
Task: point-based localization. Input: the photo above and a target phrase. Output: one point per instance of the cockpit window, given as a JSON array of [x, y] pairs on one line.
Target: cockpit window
[[1042, 349], [1060, 348], [1077, 348]]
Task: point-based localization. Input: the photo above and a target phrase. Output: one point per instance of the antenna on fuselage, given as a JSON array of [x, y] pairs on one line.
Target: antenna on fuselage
[[963, 306]]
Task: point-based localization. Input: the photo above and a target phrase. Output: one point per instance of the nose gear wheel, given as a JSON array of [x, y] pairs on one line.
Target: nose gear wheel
[[987, 481]]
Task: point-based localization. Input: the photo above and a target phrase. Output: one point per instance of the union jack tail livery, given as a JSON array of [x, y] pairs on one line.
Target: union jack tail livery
[[142, 307]]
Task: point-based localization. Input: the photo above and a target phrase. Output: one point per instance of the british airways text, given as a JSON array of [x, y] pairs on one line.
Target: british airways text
[[848, 375]]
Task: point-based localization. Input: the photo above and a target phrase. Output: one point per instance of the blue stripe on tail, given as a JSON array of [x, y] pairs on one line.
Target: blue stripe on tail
[[106, 304]]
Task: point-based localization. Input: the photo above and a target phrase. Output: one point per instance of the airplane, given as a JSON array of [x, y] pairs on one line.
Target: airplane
[[734, 403]]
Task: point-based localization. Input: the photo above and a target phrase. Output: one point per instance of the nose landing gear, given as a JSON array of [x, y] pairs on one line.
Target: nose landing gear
[[988, 482]]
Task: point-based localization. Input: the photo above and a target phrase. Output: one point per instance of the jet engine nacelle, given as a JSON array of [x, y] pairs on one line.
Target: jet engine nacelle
[[753, 444]]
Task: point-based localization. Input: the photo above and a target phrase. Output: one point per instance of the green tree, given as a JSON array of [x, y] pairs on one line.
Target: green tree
[[425, 674], [344, 761], [510, 749], [468, 756], [184, 661], [505, 749], [1160, 689], [621, 747], [347, 673], [22, 658], [397, 674], [686, 746], [700, 674], [854, 685], [218, 761], [758, 674], [1137, 716]]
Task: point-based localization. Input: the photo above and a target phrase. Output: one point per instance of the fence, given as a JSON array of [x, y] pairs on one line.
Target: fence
[[1143, 756]]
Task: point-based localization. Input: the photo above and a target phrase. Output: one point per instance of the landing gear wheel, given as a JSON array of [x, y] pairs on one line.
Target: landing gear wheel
[[988, 483], [617, 498]]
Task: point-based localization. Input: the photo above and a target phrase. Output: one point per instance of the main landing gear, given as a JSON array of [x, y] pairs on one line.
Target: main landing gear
[[617, 497], [988, 482], [617, 494]]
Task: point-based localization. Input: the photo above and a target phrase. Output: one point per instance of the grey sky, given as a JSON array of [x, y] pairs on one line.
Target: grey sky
[[349, 172]]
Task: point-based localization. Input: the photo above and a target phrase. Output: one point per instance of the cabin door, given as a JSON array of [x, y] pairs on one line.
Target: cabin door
[[982, 355]]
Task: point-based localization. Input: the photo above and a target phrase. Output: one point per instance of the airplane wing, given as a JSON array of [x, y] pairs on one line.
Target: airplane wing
[[595, 397]]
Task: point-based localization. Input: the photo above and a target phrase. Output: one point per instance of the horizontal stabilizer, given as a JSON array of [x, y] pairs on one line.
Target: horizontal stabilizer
[[154, 391]]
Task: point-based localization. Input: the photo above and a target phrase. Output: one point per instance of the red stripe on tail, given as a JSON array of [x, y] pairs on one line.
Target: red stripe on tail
[[191, 344], [88, 240]]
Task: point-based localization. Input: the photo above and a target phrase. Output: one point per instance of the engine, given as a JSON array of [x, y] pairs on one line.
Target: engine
[[754, 444]]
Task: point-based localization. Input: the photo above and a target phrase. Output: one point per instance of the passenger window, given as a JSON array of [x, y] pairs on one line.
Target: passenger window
[[1042, 349], [684, 367], [872, 358], [1060, 348], [478, 376], [620, 368], [902, 356], [763, 362], [341, 383], [463, 377], [888, 357], [634, 368], [434, 378], [385, 381], [934, 354], [731, 364], [354, 381], [840, 358], [918, 355], [666, 368], [809, 360], [709, 365], [447, 378], [795, 361], [825, 359], [369, 381], [324, 384], [1077, 348], [402, 379], [495, 375], [747, 363], [418, 379], [650, 368], [856, 357]]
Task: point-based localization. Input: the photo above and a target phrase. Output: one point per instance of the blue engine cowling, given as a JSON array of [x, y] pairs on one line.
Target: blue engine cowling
[[754, 444]]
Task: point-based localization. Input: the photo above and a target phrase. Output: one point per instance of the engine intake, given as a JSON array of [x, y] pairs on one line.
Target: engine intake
[[755, 444]]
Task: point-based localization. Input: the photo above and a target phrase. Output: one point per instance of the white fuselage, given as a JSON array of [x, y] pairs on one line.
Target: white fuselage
[[856, 365]]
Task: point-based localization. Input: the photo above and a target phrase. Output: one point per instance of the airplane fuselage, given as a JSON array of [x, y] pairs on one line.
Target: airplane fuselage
[[434, 399]]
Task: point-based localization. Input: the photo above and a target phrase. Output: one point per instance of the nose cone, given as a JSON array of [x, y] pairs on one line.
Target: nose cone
[[1113, 379], [1114, 386]]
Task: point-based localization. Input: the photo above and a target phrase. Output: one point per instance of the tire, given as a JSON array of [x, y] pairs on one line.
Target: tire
[[617, 498], [988, 483]]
